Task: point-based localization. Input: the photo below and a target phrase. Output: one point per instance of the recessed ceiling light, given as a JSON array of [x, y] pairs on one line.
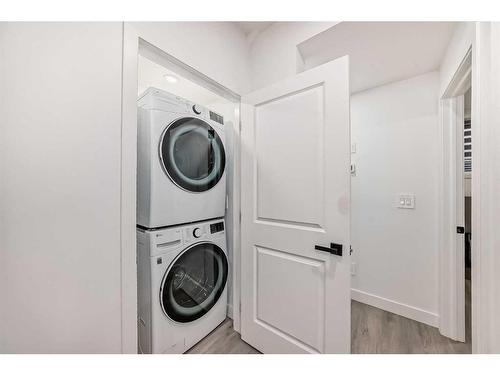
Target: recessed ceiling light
[[171, 78]]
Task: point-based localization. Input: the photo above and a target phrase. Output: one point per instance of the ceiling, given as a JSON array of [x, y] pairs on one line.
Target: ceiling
[[380, 52], [151, 74], [253, 27]]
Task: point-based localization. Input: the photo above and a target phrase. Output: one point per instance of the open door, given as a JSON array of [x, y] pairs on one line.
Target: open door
[[295, 207], [452, 252]]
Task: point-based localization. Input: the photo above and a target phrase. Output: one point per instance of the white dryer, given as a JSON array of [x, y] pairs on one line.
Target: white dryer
[[182, 294], [181, 161]]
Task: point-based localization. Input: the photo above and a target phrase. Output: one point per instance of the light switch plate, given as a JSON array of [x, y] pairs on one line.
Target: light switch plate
[[353, 268], [406, 201], [353, 148]]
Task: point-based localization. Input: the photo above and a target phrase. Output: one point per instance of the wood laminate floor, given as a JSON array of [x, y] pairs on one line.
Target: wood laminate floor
[[223, 340], [377, 331], [372, 331]]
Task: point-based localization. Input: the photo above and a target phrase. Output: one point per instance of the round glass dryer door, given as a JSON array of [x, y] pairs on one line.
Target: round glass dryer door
[[194, 283], [192, 154]]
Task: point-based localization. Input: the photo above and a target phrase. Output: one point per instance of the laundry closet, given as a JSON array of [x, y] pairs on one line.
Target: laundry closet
[[184, 252]]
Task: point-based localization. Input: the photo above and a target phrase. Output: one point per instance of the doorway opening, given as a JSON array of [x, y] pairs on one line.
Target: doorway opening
[[456, 254], [467, 152], [147, 66]]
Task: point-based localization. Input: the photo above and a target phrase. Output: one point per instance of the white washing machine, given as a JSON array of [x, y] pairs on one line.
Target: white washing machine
[[181, 161], [182, 294]]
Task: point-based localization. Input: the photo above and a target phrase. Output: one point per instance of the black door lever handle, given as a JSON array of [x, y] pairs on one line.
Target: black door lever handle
[[335, 248]]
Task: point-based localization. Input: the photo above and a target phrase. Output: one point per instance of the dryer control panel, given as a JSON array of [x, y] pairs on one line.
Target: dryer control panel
[[154, 98]]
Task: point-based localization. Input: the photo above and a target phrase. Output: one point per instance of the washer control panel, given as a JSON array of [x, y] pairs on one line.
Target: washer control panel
[[197, 232], [197, 109], [201, 231], [169, 239], [217, 227]]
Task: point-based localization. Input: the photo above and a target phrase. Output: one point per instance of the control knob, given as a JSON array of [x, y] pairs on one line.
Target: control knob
[[197, 109], [197, 232]]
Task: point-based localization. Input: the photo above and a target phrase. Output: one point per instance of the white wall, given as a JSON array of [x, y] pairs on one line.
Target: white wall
[[395, 127], [60, 160], [217, 49], [60, 187]]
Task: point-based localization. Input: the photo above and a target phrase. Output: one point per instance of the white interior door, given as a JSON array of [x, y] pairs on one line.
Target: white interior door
[[452, 254], [295, 195]]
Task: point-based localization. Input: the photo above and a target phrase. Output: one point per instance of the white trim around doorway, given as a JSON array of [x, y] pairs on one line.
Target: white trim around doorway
[[451, 252]]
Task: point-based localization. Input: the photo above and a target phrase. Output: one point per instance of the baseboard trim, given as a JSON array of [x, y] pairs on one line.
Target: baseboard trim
[[398, 308]]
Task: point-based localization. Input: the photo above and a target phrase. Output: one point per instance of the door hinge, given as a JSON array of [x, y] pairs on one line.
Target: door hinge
[[350, 250]]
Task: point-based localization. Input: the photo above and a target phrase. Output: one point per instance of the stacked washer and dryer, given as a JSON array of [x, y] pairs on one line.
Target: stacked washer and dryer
[[181, 242]]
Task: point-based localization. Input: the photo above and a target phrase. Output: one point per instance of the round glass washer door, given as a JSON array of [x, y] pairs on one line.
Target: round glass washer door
[[192, 154], [194, 282]]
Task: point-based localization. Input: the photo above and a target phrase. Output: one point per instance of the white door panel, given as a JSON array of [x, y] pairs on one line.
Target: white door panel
[[282, 301], [295, 195], [286, 125]]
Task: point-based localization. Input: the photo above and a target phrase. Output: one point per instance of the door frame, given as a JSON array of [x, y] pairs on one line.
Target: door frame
[[485, 182], [133, 44], [452, 257], [485, 51]]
